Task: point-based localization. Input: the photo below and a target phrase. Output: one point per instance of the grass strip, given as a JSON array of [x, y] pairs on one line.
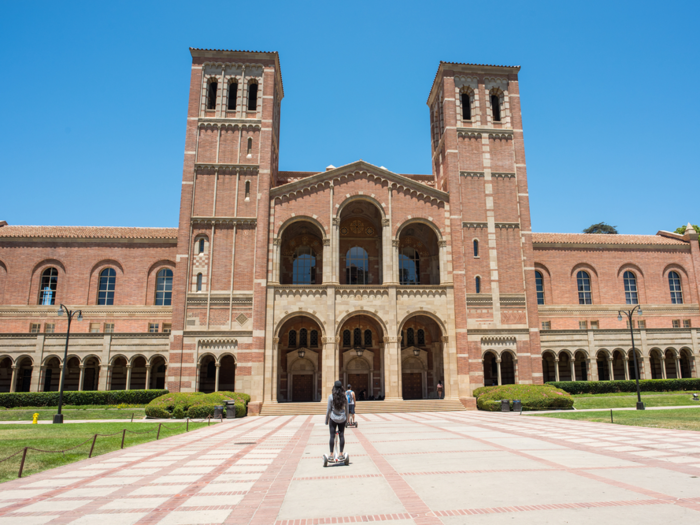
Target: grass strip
[[71, 414], [629, 400], [679, 419], [14, 438]]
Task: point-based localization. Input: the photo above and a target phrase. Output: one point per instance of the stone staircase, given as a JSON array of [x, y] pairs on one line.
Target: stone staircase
[[365, 407]]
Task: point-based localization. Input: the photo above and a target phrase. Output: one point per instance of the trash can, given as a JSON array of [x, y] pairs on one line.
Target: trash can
[[218, 412], [517, 405], [230, 410], [505, 405]]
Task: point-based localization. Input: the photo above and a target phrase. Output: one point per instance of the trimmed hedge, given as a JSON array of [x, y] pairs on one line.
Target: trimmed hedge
[[610, 387], [533, 397], [195, 405], [50, 399]]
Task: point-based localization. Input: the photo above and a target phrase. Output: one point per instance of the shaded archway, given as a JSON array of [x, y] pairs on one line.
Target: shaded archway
[[138, 373], [490, 369], [655, 364], [422, 357], [157, 376], [671, 372], [72, 372], [91, 373], [207, 374], [602, 363], [24, 374], [301, 254], [564, 366], [360, 244], [630, 365], [508, 365], [686, 366], [581, 365], [299, 360], [118, 374], [227, 374], [52, 375], [548, 367], [5, 374], [361, 356], [419, 256], [619, 365]]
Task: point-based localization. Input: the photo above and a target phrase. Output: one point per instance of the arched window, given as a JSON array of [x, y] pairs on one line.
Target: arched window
[[630, 288], [477, 284], [539, 284], [211, 95], [211, 370], [249, 151], [368, 338], [410, 337], [49, 282], [466, 106], [583, 280], [303, 337], [476, 248], [199, 282], [304, 266], [356, 266], [421, 337], [346, 338], [164, 287], [252, 97], [108, 279], [496, 108], [314, 339], [357, 337], [201, 246], [247, 189], [409, 266], [674, 284], [292, 338], [232, 95]]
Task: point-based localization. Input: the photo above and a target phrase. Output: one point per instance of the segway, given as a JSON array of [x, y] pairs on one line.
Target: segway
[[353, 424], [333, 460]]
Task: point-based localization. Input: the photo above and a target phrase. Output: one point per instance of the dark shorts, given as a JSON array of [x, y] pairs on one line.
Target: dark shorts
[[351, 408]]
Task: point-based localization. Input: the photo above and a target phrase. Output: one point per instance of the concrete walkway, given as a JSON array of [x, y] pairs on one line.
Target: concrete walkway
[[426, 468]]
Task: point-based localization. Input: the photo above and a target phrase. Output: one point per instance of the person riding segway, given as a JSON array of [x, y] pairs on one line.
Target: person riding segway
[[351, 407], [336, 418]]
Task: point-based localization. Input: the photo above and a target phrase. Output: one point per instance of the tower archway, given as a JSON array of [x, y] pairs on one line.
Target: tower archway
[[301, 254], [299, 360], [422, 357], [361, 356], [360, 244]]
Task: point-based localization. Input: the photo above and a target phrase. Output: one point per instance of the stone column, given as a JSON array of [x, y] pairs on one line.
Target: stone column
[[498, 370], [216, 377], [572, 363], [196, 379], [128, 377], [102, 383], [62, 368], [678, 366], [592, 369], [148, 377], [80, 378], [392, 368], [663, 367], [13, 384], [556, 369], [327, 261], [627, 367], [330, 365], [40, 379], [36, 374], [610, 369], [645, 368]]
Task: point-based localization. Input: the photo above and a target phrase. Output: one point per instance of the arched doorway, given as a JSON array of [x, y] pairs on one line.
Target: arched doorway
[[91, 372], [301, 254], [603, 367], [52, 375], [686, 368], [630, 365], [138, 373], [227, 374], [419, 256], [655, 364], [422, 362], [207, 374], [360, 355], [671, 364], [24, 374], [5, 374], [548, 367], [508, 364], [118, 376], [564, 366], [158, 368], [581, 365], [619, 365], [72, 371], [490, 369], [300, 360], [360, 244]]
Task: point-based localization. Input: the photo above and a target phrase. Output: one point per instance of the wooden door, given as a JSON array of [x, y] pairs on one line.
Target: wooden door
[[412, 385], [302, 387], [359, 382]]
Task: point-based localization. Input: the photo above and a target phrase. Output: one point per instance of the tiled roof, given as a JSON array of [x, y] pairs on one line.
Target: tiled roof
[[470, 64], [88, 232], [601, 238]]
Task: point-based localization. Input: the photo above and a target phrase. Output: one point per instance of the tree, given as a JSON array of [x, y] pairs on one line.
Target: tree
[[601, 227], [681, 230]]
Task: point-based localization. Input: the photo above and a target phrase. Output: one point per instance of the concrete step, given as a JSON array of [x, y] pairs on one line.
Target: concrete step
[[365, 407]]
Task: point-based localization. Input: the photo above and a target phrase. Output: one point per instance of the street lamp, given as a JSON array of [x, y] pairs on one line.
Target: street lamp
[[58, 418], [630, 314]]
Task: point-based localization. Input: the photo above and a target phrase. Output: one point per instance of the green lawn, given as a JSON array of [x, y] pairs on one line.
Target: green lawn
[[626, 399], [59, 437], [678, 419], [71, 413]]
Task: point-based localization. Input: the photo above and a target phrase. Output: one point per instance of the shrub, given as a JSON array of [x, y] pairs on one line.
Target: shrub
[[50, 399], [194, 404], [533, 397], [608, 387]]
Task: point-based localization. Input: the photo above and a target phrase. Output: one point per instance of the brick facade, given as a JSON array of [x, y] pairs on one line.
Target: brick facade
[[284, 282]]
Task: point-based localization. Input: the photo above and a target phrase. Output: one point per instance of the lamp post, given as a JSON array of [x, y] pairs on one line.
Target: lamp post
[[58, 418], [630, 315]]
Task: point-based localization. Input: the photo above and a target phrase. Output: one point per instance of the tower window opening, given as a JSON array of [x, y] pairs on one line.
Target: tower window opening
[[252, 97], [211, 95], [476, 248], [199, 282], [496, 108], [477, 284], [201, 245], [249, 151], [466, 106], [232, 96], [539, 285], [247, 189]]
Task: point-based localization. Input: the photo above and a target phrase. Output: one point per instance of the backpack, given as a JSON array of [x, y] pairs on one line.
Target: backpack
[[348, 394]]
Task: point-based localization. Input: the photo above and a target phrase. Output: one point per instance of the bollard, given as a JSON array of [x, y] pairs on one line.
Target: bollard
[[35, 418], [158, 436], [93, 446], [21, 465], [132, 417], [123, 436], [611, 416]]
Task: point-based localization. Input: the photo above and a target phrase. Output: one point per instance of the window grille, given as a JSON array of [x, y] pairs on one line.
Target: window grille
[[357, 337], [368, 338], [641, 325], [546, 325], [303, 337], [153, 328], [292, 338], [108, 279], [583, 325], [676, 323], [49, 328], [583, 281], [346, 338], [313, 339], [421, 337], [686, 323], [109, 328], [35, 328]]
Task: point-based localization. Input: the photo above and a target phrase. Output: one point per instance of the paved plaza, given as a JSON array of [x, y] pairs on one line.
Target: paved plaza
[[427, 468]]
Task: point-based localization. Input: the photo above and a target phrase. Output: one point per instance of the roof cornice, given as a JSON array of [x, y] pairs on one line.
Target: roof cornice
[[463, 67]]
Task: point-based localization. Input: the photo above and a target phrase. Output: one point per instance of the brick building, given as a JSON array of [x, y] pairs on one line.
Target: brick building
[[277, 283]]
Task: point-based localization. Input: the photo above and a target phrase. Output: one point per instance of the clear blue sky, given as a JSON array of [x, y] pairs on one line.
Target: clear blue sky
[[93, 98]]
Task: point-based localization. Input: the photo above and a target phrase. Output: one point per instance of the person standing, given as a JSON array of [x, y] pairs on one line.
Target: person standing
[[440, 390], [336, 416], [350, 395]]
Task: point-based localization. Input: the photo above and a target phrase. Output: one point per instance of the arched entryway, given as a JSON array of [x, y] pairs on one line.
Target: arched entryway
[[360, 354], [671, 372], [138, 373], [419, 256], [227, 373], [52, 375], [490, 369], [91, 373], [300, 360], [23, 380], [508, 368], [655, 364], [630, 365], [207, 374], [360, 244], [564, 366], [619, 365], [602, 363], [548, 367], [581, 365], [157, 375], [118, 374], [686, 363], [72, 371], [5, 374], [301, 254], [422, 361]]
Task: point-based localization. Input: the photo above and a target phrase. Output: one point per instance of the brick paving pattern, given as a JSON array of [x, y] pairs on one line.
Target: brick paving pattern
[[424, 468]]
